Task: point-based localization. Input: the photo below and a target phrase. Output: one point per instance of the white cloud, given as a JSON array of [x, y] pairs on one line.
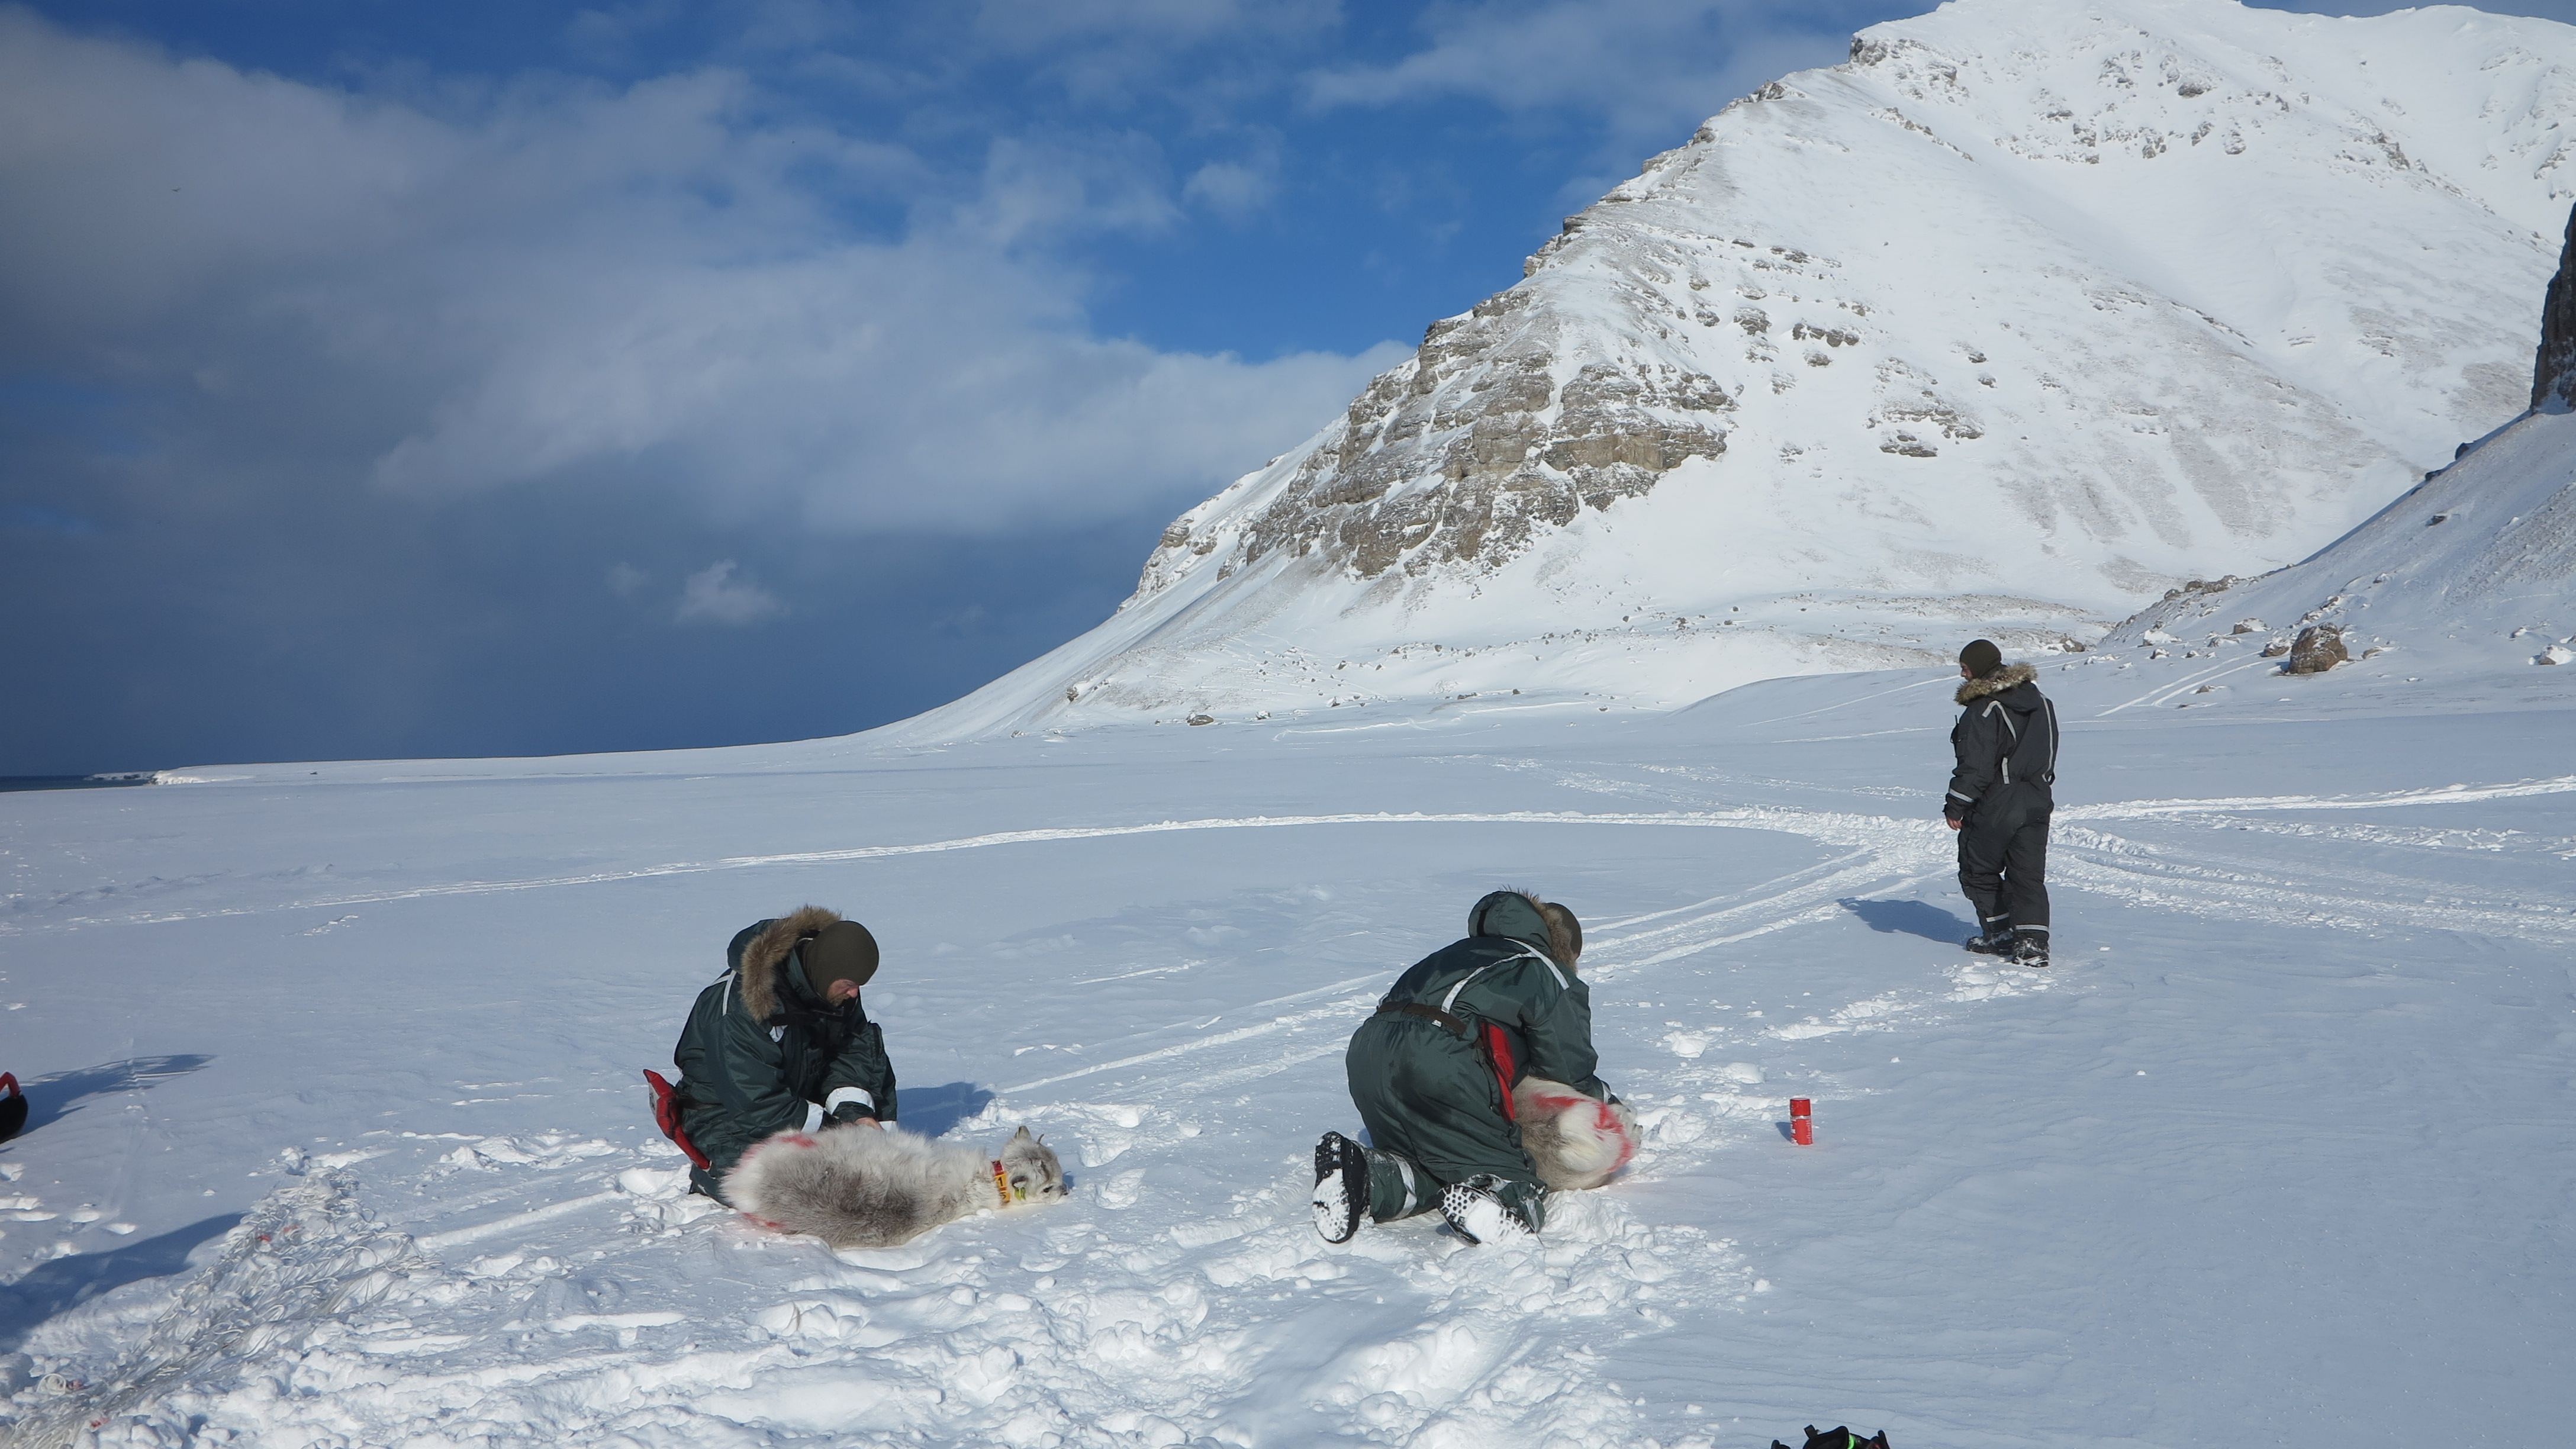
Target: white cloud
[[1232, 189], [1103, 52], [656, 285], [625, 578], [1650, 69], [712, 597]]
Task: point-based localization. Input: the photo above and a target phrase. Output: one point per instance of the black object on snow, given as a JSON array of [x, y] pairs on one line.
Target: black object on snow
[[13, 1107], [1838, 1437]]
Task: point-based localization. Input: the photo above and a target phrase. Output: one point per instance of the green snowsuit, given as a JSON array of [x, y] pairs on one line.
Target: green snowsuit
[[1431, 1070], [761, 1054]]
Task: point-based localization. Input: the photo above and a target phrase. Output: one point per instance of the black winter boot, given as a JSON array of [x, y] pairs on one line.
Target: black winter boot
[[1341, 1187], [1998, 944], [1477, 1211], [2030, 947]]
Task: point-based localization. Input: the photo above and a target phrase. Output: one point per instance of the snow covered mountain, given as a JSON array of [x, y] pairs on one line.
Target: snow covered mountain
[[2028, 313], [2465, 575]]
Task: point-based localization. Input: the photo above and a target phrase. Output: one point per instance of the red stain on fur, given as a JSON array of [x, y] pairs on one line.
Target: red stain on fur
[[1604, 1121]]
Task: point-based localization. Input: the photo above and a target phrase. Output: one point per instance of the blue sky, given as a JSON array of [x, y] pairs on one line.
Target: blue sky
[[384, 379]]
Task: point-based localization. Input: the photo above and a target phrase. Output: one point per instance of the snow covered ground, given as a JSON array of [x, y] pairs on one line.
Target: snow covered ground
[[339, 1138]]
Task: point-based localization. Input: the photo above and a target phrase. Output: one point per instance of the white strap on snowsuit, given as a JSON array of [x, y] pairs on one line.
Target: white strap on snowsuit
[[1527, 951]]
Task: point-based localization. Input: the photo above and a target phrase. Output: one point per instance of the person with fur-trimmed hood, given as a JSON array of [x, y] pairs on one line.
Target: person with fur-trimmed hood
[[1432, 1073], [2000, 799], [780, 1041]]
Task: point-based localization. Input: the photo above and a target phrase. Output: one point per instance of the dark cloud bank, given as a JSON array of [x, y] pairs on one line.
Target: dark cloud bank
[[562, 416]]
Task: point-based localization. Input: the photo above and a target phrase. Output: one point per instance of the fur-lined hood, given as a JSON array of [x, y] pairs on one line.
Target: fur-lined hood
[[1523, 917], [763, 968], [2008, 677]]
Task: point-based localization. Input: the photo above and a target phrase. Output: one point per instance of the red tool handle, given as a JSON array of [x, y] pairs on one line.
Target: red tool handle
[[1802, 1122]]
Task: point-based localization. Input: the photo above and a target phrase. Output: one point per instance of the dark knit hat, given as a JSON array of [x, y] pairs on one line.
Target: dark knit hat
[[842, 951], [1981, 658]]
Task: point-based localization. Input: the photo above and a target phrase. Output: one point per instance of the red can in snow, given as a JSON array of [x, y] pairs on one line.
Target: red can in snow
[[1802, 1122]]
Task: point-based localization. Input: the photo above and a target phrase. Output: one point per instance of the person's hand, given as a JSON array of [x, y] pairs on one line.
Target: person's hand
[[849, 1112], [1952, 821]]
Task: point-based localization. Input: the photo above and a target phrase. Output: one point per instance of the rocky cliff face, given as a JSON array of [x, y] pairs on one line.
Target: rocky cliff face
[[2553, 371], [2469, 570], [2028, 313]]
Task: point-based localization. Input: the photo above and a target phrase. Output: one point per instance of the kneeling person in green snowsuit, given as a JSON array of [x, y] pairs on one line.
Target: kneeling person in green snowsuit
[[780, 1042], [1432, 1071]]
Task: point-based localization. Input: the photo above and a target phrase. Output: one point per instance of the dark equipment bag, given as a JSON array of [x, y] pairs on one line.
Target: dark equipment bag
[[1838, 1437]]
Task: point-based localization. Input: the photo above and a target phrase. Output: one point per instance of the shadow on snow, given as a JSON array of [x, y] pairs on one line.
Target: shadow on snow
[[61, 1284], [1909, 918], [52, 1098], [934, 1111]]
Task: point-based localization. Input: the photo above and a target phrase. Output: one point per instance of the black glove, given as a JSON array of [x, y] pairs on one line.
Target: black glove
[[847, 1113]]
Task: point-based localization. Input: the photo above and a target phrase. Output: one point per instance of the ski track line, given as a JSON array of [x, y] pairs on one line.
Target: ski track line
[[1832, 827], [2106, 810], [1819, 900], [1721, 820], [1268, 1067], [435, 1241], [1816, 901], [2411, 837], [2163, 692], [2392, 799], [2221, 867], [1844, 704], [2301, 903], [1222, 1038], [1776, 886], [1812, 913]]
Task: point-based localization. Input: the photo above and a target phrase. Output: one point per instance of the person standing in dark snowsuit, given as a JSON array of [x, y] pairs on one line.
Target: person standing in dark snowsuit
[[1999, 802], [780, 1042], [1432, 1073]]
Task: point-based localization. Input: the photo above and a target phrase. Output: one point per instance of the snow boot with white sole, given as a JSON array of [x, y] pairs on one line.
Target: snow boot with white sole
[[1341, 1187], [2030, 948], [1476, 1213], [1999, 943]]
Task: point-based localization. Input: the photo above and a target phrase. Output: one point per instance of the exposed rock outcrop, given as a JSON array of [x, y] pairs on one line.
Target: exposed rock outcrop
[[1461, 453], [2553, 369], [2318, 648]]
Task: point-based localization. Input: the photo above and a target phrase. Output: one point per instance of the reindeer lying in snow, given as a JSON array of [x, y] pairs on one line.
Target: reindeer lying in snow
[[864, 1187]]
